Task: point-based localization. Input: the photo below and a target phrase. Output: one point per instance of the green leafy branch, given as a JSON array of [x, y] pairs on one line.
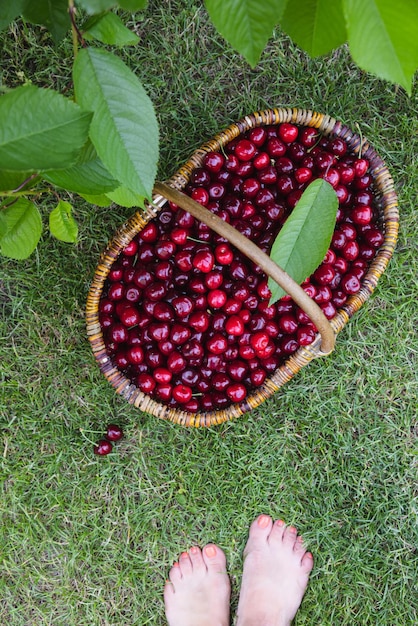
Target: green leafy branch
[[103, 143]]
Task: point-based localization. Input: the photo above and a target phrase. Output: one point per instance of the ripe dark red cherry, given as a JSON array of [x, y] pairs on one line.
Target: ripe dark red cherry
[[288, 132], [309, 136], [214, 161], [203, 261], [360, 167], [245, 150], [103, 447], [237, 392], [114, 432]]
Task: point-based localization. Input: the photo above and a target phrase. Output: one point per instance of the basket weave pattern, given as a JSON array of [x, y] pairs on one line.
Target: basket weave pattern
[[387, 204]]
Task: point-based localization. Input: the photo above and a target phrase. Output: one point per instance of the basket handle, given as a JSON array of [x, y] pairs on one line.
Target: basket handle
[[253, 252]]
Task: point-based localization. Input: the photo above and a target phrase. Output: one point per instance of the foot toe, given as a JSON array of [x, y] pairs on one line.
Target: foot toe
[[196, 558], [299, 547], [175, 573], [260, 529], [214, 558], [307, 562], [185, 564], [277, 531], [289, 536]]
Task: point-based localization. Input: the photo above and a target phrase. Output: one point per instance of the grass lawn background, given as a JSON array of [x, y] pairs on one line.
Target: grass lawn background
[[87, 541]]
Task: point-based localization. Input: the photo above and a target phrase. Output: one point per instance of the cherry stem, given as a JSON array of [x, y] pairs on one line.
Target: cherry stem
[[259, 257], [77, 36], [25, 182]]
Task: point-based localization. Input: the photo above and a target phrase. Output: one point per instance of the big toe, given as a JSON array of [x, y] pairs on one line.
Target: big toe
[[214, 558]]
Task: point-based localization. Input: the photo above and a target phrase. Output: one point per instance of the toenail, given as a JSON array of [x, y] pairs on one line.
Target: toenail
[[280, 523], [175, 564], [293, 530], [210, 551], [263, 521], [194, 550], [184, 555]]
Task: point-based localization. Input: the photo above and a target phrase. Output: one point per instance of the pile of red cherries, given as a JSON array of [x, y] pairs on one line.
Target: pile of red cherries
[[186, 316]]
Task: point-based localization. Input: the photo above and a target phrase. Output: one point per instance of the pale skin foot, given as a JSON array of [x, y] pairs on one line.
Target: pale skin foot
[[198, 590], [275, 576]]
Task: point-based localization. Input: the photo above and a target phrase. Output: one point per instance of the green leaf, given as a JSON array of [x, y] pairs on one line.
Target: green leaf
[[133, 5], [3, 225], [88, 176], [303, 241], [126, 197], [96, 6], [9, 10], [109, 28], [124, 128], [62, 223], [317, 26], [383, 38], [23, 229], [247, 25], [44, 130], [10, 181], [101, 200], [53, 14]]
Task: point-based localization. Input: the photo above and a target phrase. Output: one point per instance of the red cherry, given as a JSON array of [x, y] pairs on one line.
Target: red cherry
[[149, 233], [135, 354], [245, 150], [201, 195], [103, 447], [309, 136], [214, 161], [361, 214], [114, 432], [350, 284], [303, 174], [288, 132], [360, 167], [258, 136], [145, 382], [275, 147], [182, 393], [223, 254], [203, 261], [131, 249], [236, 392], [261, 161]]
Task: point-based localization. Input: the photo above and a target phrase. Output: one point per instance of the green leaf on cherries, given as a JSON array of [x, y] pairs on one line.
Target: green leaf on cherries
[[62, 223], [303, 241], [44, 129], [124, 129], [109, 29], [317, 26], [382, 37], [247, 25], [21, 228]]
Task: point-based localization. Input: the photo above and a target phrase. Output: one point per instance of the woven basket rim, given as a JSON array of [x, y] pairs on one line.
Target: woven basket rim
[[388, 206]]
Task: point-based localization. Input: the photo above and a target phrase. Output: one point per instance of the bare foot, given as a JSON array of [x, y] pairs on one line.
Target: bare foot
[[276, 572], [198, 591]]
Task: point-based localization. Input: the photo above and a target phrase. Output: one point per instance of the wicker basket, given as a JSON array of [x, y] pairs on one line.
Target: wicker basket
[[323, 344]]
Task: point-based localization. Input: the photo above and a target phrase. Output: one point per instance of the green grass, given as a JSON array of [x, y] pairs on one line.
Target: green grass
[[87, 541]]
